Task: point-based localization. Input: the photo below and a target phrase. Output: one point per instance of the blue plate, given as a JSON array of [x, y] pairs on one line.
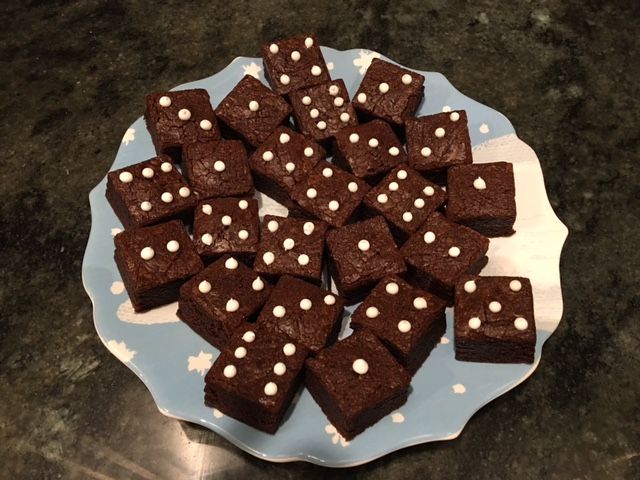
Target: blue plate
[[172, 360]]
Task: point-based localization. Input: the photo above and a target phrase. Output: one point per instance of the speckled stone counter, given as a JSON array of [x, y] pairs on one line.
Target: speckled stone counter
[[74, 77]]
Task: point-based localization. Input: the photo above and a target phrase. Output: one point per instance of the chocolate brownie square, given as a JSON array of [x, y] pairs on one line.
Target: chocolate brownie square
[[252, 111], [405, 199], [369, 150], [175, 119], [294, 63], [389, 92], [291, 246], [218, 169], [494, 320], [437, 142], [256, 376], [227, 225], [361, 255], [330, 194], [149, 192], [221, 297], [282, 161], [323, 110], [305, 312], [409, 321], [483, 197], [154, 262], [440, 252], [356, 382]]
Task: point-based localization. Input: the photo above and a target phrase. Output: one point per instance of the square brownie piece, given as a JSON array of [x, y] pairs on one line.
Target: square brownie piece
[[294, 63], [405, 199], [330, 194], [218, 169], [150, 192], [282, 161], [409, 321], [252, 110], [361, 255], [221, 297], [305, 312], [437, 142], [369, 150], [494, 320], [291, 246], [154, 262], [356, 382], [440, 252], [323, 110], [227, 226], [483, 197], [256, 376], [175, 119], [389, 92]]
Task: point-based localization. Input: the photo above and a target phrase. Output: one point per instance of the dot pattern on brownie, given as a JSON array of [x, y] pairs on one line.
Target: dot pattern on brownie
[[294, 63]]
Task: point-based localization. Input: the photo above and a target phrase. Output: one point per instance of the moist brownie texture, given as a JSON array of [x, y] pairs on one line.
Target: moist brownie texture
[[440, 252], [154, 262], [409, 321], [175, 119], [282, 161], [221, 297], [369, 150], [149, 192], [218, 169], [256, 376], [227, 225], [294, 63], [291, 246], [305, 312], [389, 92], [482, 196], [361, 254], [356, 382], [252, 110], [405, 199], [494, 320]]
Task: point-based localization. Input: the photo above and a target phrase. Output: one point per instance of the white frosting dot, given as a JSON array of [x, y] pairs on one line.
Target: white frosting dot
[[184, 192], [284, 138], [230, 371], [372, 312], [314, 113], [360, 366], [334, 205], [419, 203], [420, 303], [273, 48], [308, 152], [240, 352], [344, 117], [392, 288], [267, 156], [429, 191], [290, 167], [145, 206], [393, 186], [306, 100], [207, 239], [166, 167], [219, 166], [232, 305], [329, 299], [373, 142], [206, 209], [470, 286], [454, 252], [520, 323], [406, 79], [125, 177], [338, 101], [308, 42], [305, 304], [184, 114], [404, 326], [312, 193], [243, 204], [327, 172], [204, 286], [439, 132], [429, 237], [479, 183], [268, 258], [288, 243], [206, 125], [316, 70], [321, 125], [334, 90], [166, 197], [249, 336], [382, 198], [279, 369], [289, 349], [257, 284], [495, 307], [147, 172], [254, 106], [407, 217], [173, 246], [515, 285], [364, 245], [272, 226], [284, 79], [295, 55], [354, 138], [303, 259], [352, 187], [147, 253], [454, 117], [383, 87], [165, 101], [279, 311], [394, 151], [226, 220], [402, 174], [231, 263], [425, 152], [474, 323], [308, 228], [362, 97]]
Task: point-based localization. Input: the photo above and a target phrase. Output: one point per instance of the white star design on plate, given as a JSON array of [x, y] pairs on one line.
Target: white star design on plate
[[335, 436], [201, 363], [458, 388], [120, 350], [397, 417], [364, 60], [129, 136], [252, 69]]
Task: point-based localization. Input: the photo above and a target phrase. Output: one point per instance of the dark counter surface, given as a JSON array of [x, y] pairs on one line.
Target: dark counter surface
[[74, 77]]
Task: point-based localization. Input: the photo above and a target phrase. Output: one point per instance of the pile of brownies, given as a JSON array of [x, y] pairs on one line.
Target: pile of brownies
[[401, 215]]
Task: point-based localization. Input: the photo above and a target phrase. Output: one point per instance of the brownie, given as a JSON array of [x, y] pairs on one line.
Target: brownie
[[154, 262], [294, 63], [408, 320], [323, 110], [440, 252], [356, 382], [361, 255], [282, 161], [307, 313], [369, 150], [221, 297], [252, 111], [330, 194], [494, 320], [405, 199], [256, 376], [175, 119], [389, 92], [150, 192], [218, 169], [291, 246], [437, 142], [227, 225], [483, 197]]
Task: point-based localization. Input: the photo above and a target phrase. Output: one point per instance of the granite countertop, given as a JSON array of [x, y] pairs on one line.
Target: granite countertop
[[75, 76]]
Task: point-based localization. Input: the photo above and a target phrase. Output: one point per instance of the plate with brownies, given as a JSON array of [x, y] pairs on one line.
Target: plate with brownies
[[323, 255]]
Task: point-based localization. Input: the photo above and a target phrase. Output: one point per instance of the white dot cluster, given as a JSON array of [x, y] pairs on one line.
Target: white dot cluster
[[341, 106], [185, 114]]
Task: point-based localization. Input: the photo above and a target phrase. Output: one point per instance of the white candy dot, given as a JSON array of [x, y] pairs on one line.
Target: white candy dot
[[316, 70], [352, 187], [184, 192], [314, 113], [254, 106], [219, 166], [338, 101], [362, 97], [429, 191], [394, 151], [329, 299], [184, 114], [425, 152], [290, 167], [372, 312], [166, 197], [229, 371], [240, 352], [289, 349], [284, 79], [454, 117], [284, 138], [360, 366], [165, 101], [272, 226], [295, 55], [303, 259], [305, 304], [147, 172], [327, 172], [429, 237], [268, 258], [334, 90], [308, 152], [393, 186], [382, 198], [147, 253], [383, 87], [204, 286], [273, 48], [321, 125], [364, 245], [257, 284], [267, 156], [232, 305], [125, 177], [166, 167], [279, 369], [173, 246], [439, 132], [419, 303], [404, 326], [407, 217], [474, 323], [249, 336], [392, 288], [344, 117], [243, 204], [231, 263], [279, 311], [470, 286], [145, 206], [334, 205], [308, 228], [354, 138], [206, 209], [206, 125], [288, 244], [373, 142], [479, 184], [515, 285], [312, 193], [207, 239], [402, 174], [406, 79], [226, 220], [419, 203], [495, 307], [520, 323], [454, 252], [306, 100], [308, 42]]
